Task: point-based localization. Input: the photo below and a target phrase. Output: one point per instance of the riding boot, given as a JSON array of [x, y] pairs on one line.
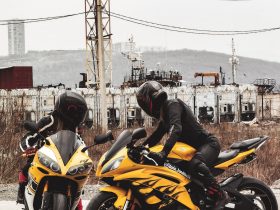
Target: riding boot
[[22, 183], [20, 195], [218, 196]]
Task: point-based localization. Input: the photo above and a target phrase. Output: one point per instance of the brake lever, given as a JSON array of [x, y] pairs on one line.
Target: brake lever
[[151, 159], [144, 152]]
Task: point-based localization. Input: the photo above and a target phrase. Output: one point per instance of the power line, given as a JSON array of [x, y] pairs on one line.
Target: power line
[[189, 30], [150, 24], [33, 20]]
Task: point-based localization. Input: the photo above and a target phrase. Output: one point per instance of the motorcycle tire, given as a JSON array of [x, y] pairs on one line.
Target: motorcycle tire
[[60, 202], [102, 201], [266, 199]]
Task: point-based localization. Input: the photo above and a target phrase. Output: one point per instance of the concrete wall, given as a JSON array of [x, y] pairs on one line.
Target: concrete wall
[[224, 103]]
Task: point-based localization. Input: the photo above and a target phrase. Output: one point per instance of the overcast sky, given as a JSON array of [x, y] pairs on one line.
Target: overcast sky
[[69, 33]]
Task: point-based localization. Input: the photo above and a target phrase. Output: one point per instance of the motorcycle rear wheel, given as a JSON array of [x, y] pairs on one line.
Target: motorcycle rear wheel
[[264, 197]]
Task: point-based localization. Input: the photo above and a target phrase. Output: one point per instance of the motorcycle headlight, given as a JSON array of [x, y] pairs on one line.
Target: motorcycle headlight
[[112, 165], [48, 162], [79, 169]]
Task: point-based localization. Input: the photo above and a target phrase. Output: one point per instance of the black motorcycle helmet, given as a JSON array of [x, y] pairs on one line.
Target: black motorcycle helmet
[[150, 97], [71, 108]]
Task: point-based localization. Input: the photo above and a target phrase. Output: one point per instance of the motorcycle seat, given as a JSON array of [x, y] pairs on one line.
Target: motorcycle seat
[[226, 155], [249, 143]]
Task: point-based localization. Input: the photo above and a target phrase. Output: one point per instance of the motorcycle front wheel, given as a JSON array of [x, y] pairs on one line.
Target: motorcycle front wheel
[[259, 192], [104, 201], [55, 201]]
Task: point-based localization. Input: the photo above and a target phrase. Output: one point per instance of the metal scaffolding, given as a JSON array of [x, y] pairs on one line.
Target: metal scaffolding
[[92, 18], [99, 50]]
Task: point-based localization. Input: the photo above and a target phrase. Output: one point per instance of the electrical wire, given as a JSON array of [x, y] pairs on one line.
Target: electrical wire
[[150, 24], [33, 20], [188, 30], [192, 29]]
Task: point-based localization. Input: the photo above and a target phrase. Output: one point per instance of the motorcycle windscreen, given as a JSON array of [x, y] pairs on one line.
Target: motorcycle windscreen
[[123, 139], [66, 143]]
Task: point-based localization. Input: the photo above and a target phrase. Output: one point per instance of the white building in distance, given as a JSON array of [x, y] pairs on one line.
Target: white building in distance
[[16, 37]]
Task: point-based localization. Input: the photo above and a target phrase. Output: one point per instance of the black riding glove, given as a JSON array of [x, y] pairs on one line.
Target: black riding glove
[[159, 157]]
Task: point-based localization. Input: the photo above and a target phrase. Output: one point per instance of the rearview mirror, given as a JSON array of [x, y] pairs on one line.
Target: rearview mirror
[[139, 133], [30, 126], [103, 138]]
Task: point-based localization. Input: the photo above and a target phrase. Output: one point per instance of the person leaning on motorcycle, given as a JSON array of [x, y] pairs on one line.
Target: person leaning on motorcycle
[[69, 112], [178, 121]]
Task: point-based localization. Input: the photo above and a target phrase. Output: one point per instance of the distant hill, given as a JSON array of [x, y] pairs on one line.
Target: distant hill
[[53, 67]]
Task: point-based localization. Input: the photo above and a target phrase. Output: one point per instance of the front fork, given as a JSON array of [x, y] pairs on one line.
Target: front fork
[[48, 196], [128, 200], [125, 199]]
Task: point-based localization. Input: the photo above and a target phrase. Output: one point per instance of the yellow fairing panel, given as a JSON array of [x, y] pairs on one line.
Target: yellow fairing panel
[[235, 160], [147, 182], [179, 151]]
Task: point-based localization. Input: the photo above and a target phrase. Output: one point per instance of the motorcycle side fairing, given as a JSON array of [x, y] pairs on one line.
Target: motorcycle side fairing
[[151, 180]]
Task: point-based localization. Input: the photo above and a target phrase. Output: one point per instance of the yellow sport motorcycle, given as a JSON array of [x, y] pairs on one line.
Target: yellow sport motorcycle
[[136, 182], [59, 170]]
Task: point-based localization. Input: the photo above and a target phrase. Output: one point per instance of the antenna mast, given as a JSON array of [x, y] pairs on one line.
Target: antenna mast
[[234, 61]]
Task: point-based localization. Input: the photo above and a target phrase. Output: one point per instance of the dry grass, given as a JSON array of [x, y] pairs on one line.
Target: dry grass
[[266, 167], [10, 134]]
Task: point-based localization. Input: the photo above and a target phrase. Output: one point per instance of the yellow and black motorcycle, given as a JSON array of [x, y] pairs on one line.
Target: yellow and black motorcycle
[[59, 171], [135, 181]]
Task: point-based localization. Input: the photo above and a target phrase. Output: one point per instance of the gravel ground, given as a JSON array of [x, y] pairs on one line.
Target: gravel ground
[[8, 194]]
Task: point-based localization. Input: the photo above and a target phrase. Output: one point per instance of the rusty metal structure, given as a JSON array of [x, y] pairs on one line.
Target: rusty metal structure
[[208, 74]]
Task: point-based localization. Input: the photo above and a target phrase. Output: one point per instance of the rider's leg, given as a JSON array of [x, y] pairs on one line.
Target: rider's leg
[[80, 205], [22, 180], [206, 156]]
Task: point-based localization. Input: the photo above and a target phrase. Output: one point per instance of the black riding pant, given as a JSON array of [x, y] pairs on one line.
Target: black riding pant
[[204, 158]]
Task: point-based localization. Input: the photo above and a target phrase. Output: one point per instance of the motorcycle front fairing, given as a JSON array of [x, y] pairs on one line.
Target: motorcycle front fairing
[[58, 166]]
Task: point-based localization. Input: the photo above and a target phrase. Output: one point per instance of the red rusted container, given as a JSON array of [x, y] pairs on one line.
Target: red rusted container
[[16, 77]]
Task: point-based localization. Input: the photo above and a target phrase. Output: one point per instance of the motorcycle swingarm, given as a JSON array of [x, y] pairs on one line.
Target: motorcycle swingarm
[[231, 185]]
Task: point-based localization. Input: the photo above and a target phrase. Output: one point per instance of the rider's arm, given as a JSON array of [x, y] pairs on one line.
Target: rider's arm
[[156, 135], [174, 112], [30, 139]]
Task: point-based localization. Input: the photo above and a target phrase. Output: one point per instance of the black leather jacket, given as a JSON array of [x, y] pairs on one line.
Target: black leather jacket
[[179, 122]]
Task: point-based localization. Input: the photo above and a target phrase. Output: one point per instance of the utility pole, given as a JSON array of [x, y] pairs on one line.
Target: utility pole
[[101, 70], [99, 52]]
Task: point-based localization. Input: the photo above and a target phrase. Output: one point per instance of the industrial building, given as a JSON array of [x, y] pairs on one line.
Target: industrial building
[[16, 37], [16, 77]]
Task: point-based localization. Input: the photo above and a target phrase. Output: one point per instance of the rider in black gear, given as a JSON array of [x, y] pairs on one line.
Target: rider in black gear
[[69, 113], [30, 143], [178, 121]]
